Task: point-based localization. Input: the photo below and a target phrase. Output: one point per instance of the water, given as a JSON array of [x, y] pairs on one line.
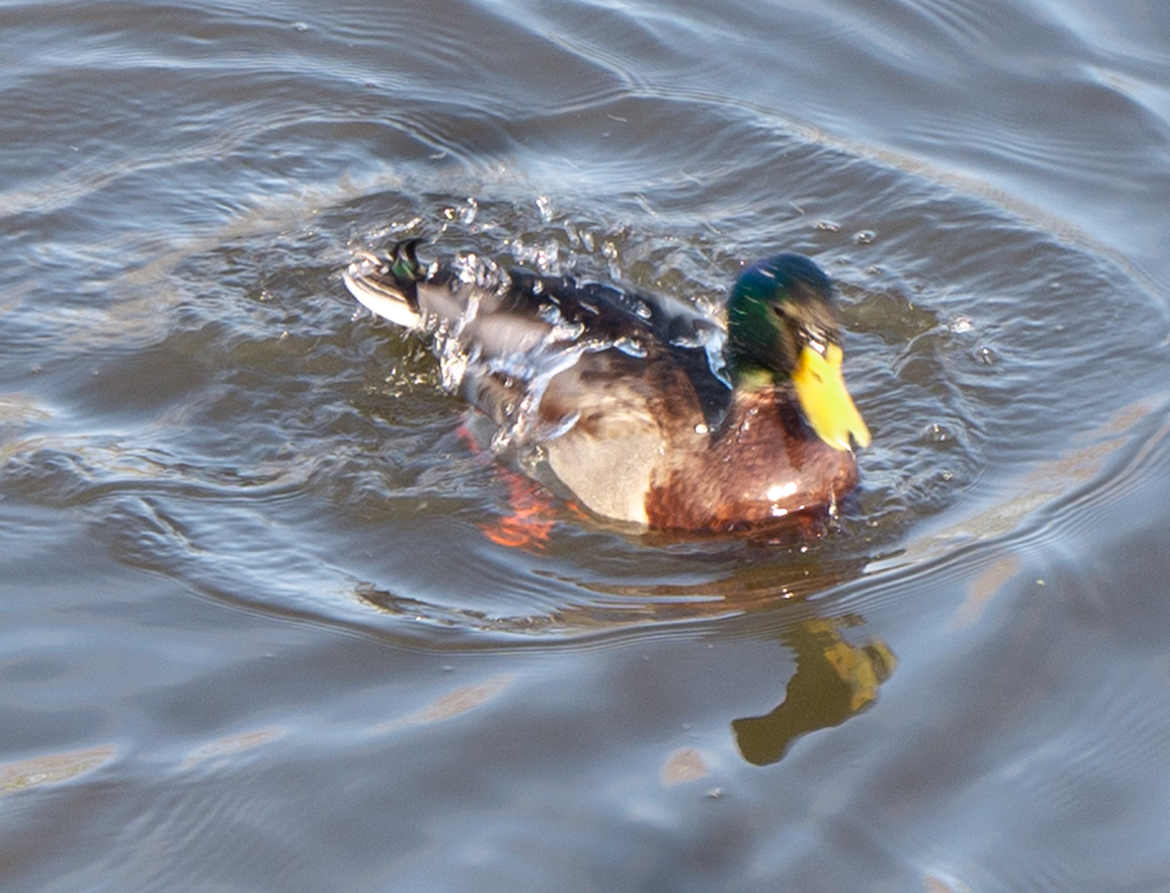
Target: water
[[259, 629]]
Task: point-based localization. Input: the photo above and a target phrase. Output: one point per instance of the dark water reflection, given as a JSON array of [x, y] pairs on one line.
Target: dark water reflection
[[265, 624]]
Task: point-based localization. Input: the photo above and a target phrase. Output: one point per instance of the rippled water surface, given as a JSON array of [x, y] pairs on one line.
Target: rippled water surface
[[265, 624]]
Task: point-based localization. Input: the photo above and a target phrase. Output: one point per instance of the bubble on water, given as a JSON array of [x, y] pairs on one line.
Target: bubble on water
[[937, 433], [828, 226], [985, 356], [864, 237]]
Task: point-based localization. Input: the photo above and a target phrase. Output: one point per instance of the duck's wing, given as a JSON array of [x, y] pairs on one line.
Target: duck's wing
[[498, 317], [642, 326], [386, 285], [519, 311], [502, 343]]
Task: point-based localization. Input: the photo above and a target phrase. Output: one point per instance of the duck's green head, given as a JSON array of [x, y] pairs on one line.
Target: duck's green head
[[782, 326]]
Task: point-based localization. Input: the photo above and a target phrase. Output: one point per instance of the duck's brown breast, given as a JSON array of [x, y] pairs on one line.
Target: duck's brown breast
[[764, 465]]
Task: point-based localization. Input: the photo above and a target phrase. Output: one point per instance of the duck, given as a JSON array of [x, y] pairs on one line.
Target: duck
[[643, 409]]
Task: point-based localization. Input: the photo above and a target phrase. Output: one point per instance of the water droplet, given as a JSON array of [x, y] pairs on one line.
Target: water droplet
[[986, 356], [937, 433], [630, 347]]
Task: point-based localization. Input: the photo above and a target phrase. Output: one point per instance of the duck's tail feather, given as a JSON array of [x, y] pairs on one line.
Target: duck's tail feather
[[388, 284]]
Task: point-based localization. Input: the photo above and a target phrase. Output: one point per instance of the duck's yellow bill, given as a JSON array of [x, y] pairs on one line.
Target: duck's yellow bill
[[820, 387]]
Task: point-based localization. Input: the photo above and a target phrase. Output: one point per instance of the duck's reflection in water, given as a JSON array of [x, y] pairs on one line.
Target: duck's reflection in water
[[834, 680]]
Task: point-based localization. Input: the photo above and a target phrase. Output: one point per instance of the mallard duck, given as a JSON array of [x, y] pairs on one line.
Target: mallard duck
[[645, 410]]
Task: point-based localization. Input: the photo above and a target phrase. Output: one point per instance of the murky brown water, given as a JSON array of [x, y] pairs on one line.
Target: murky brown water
[[258, 627]]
